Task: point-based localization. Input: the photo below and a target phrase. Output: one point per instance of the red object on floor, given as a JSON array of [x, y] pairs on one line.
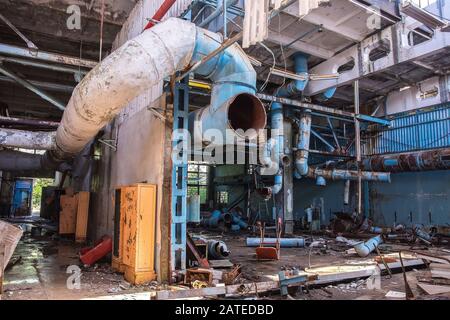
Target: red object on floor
[[160, 13], [91, 256]]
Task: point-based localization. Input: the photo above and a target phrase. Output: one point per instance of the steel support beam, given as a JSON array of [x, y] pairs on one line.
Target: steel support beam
[[45, 56], [400, 51], [322, 109], [32, 88]]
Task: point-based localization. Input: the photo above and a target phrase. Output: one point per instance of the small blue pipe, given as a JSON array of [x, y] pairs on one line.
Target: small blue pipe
[[301, 158], [296, 86], [364, 248], [213, 220]]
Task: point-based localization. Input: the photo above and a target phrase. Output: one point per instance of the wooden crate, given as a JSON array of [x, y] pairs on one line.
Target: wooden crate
[[82, 216], [135, 254], [68, 214]]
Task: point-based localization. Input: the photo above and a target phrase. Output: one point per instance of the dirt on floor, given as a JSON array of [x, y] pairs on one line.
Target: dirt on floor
[[46, 264]]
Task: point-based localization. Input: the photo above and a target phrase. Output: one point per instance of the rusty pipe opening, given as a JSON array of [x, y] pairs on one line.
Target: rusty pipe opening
[[246, 112]]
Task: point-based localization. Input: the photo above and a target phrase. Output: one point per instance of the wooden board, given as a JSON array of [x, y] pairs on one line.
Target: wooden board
[[251, 288], [68, 214], [82, 216], [238, 289], [433, 289], [10, 235], [221, 263], [439, 270]]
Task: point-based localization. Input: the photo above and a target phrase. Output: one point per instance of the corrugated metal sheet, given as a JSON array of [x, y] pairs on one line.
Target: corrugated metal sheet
[[143, 10], [421, 130]]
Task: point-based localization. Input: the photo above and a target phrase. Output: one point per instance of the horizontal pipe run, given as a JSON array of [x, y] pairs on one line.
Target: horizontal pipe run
[[438, 159], [11, 160], [27, 139], [337, 174], [28, 122], [271, 242]]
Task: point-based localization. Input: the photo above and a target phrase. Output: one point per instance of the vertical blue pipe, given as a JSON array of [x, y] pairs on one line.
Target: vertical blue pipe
[[277, 124]]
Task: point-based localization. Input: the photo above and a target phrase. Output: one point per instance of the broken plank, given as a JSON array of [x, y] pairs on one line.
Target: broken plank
[[439, 273], [433, 289], [238, 289]]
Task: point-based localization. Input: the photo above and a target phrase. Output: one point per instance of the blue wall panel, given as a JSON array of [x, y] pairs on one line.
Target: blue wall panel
[[415, 192], [329, 198]]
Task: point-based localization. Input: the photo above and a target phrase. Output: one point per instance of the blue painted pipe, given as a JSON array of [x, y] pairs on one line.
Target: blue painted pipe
[[233, 90], [292, 88], [364, 248], [213, 220], [277, 131], [296, 86], [271, 242], [301, 158]]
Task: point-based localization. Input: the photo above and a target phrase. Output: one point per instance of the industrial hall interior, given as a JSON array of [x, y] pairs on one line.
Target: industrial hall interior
[[224, 149]]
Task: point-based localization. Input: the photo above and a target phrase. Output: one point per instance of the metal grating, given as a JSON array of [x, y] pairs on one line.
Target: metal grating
[[424, 129]]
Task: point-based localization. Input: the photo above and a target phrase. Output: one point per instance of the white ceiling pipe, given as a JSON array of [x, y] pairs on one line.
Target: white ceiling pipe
[[27, 139], [136, 66]]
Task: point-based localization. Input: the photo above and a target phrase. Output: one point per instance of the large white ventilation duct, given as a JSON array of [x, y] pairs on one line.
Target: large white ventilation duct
[[145, 61]]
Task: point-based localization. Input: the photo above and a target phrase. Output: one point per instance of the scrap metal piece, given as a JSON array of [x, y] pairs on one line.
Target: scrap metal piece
[[409, 293], [285, 282], [384, 262]]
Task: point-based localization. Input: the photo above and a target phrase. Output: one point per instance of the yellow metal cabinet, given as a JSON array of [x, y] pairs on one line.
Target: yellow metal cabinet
[[134, 232]]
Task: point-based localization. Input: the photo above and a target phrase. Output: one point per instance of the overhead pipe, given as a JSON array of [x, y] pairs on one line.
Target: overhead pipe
[[297, 86], [11, 160], [217, 12], [292, 88], [28, 122], [337, 174], [146, 60], [38, 140], [437, 159]]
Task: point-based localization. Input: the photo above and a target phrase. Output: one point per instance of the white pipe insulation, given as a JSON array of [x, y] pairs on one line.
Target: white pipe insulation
[[145, 61], [39, 140]]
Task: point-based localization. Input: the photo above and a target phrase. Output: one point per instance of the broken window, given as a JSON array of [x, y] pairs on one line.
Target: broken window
[[222, 197], [198, 181]]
